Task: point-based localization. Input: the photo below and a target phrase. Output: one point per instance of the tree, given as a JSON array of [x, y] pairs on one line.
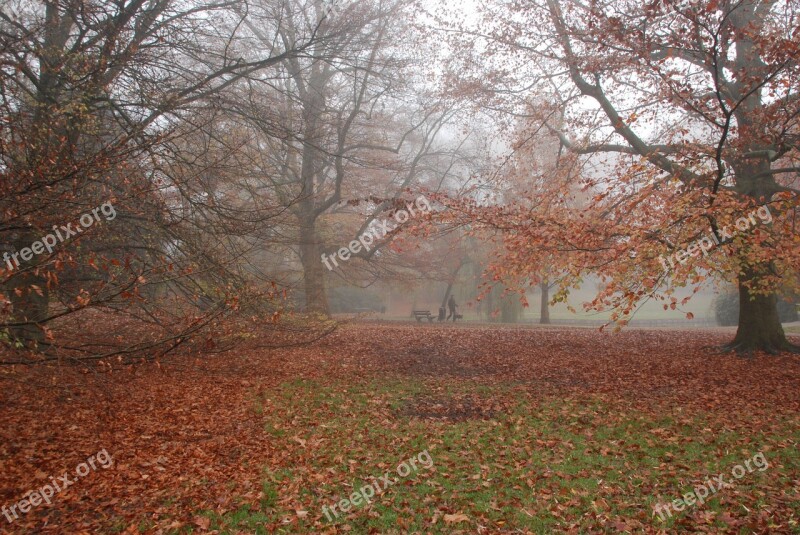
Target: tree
[[341, 128], [697, 103], [93, 95], [535, 164]]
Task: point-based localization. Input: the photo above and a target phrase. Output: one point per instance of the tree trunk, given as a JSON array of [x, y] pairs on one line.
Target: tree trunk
[[30, 306], [29, 296], [453, 276], [447, 293], [490, 307], [759, 324], [544, 309], [313, 270]]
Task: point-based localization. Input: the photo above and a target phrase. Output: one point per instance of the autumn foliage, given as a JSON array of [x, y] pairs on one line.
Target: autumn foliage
[[683, 119]]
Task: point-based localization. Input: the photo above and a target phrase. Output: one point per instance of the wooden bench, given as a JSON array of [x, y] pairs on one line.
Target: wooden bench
[[419, 314]]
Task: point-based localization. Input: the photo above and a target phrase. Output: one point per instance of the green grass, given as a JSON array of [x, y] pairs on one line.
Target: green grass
[[536, 465]]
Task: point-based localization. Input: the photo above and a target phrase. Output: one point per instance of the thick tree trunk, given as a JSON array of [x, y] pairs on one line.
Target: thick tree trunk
[[310, 246], [313, 270], [29, 296], [544, 309], [759, 324]]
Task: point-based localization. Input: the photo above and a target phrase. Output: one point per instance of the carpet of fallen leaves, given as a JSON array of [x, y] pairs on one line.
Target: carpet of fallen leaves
[[180, 431]]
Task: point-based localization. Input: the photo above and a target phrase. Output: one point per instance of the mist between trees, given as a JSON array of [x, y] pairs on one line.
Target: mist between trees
[[558, 143], [366, 240]]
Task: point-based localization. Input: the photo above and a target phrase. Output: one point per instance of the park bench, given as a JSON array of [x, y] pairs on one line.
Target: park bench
[[419, 314]]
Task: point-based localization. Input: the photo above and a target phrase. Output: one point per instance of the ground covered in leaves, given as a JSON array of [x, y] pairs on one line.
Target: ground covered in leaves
[[512, 431]]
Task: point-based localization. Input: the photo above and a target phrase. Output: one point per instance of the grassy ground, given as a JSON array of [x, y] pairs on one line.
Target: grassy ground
[[501, 460], [546, 430]]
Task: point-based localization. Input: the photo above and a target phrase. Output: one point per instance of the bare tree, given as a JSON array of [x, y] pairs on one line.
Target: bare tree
[[338, 126], [93, 93]]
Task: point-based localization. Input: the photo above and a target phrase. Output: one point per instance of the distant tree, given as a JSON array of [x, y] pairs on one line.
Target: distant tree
[[340, 130]]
